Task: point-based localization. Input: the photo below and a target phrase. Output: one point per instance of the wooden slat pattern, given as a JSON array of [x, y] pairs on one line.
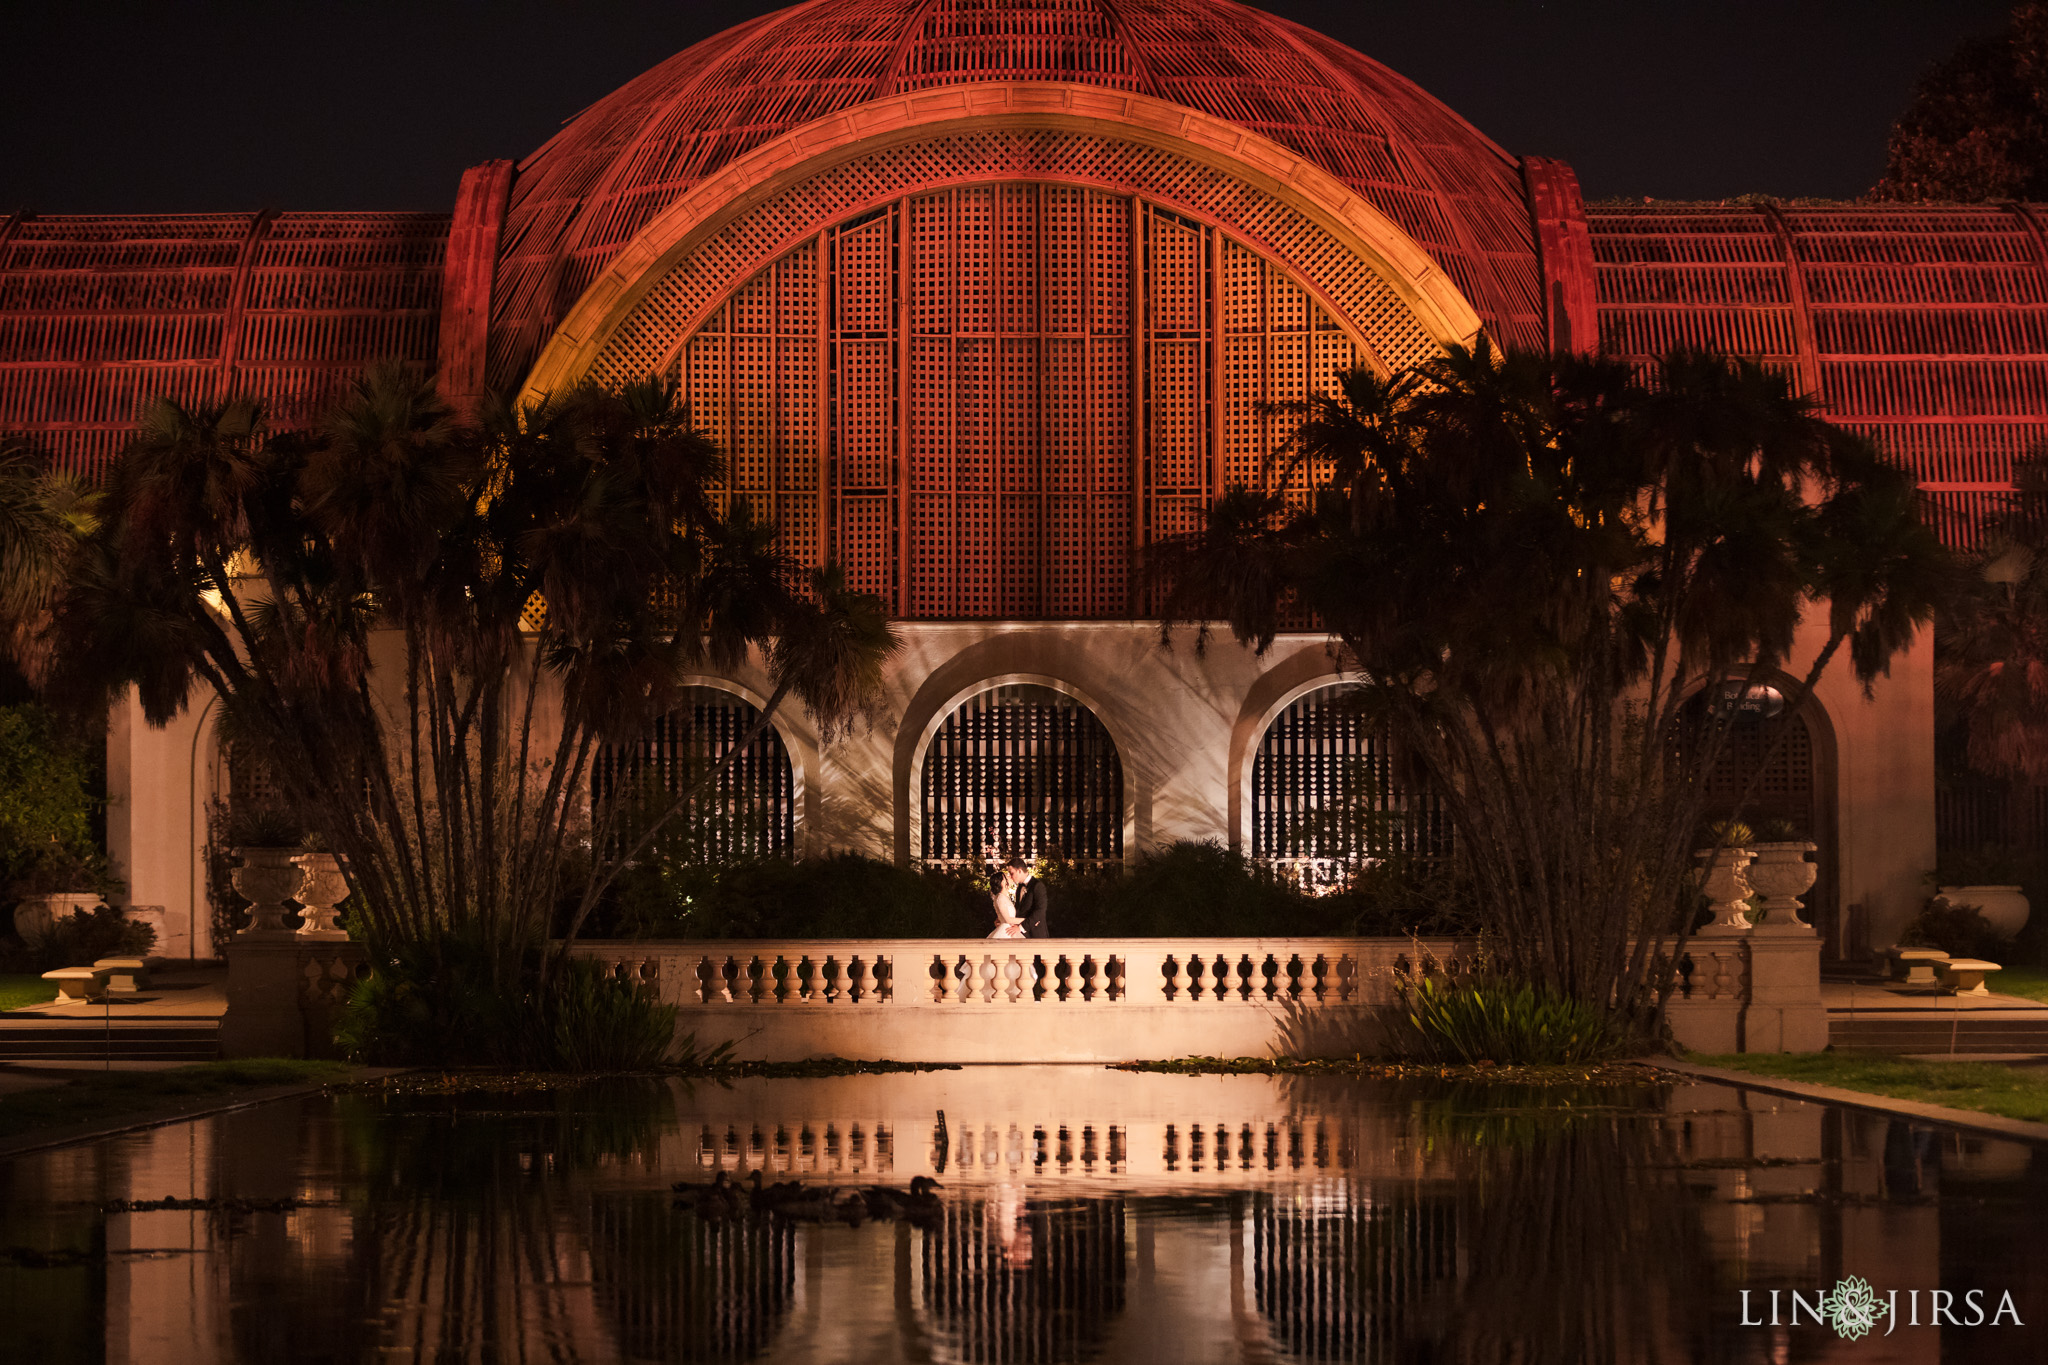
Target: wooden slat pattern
[[98, 315], [1012, 373], [1028, 771], [1318, 758], [751, 812], [1923, 328]]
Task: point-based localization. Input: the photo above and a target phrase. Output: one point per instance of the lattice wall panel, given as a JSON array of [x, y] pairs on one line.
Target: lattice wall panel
[[751, 809], [751, 379], [99, 315], [1323, 788], [1923, 328], [1024, 770], [983, 365], [676, 306]]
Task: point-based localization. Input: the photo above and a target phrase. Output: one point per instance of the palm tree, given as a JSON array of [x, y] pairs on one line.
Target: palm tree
[[43, 515], [1532, 562], [429, 629]]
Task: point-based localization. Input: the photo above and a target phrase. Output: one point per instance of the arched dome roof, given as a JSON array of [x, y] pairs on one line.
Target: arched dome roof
[[613, 168]]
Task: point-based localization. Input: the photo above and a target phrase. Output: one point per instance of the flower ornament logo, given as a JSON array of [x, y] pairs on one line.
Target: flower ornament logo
[[1852, 1308]]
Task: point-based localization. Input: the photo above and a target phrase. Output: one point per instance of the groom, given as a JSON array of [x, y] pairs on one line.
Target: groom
[[1032, 898]]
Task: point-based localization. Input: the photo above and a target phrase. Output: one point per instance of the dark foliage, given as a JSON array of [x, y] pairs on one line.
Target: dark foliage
[[1976, 127], [444, 1002], [1183, 889]]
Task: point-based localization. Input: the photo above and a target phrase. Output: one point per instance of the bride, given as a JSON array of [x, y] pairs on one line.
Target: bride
[[1009, 924]]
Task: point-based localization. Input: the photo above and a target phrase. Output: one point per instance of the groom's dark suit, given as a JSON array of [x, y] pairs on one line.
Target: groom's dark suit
[[1032, 901]]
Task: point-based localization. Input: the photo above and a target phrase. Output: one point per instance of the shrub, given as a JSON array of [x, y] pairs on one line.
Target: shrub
[[841, 895], [441, 1004], [48, 779], [1443, 1022], [80, 939], [1956, 929], [1183, 889]]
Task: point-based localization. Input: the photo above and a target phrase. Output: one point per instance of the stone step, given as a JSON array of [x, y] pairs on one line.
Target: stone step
[[1934, 1033], [127, 1042]]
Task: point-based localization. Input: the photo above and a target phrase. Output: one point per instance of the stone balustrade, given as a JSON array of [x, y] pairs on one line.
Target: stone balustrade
[[1089, 1000]]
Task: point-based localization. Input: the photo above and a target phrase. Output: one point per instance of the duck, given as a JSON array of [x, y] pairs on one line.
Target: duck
[[716, 1201], [774, 1198]]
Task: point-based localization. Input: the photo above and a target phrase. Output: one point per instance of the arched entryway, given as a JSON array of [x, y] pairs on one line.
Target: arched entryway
[[1025, 769], [1324, 798], [750, 811], [1792, 797]]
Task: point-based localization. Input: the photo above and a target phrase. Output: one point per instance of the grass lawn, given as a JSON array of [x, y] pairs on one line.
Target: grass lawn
[[122, 1096], [1987, 1087], [2031, 982], [19, 989]]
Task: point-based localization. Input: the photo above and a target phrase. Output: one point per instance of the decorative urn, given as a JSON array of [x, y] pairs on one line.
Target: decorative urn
[[36, 916], [1721, 877], [323, 889], [2005, 908], [268, 879], [1780, 875]]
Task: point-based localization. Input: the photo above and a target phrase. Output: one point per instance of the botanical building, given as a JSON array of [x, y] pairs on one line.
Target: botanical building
[[983, 296]]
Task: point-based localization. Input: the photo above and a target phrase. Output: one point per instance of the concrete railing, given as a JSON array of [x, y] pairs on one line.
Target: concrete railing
[[979, 1000], [1090, 1000], [1048, 1000]]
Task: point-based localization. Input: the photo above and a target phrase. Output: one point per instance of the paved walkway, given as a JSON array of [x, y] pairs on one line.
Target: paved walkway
[[180, 993]]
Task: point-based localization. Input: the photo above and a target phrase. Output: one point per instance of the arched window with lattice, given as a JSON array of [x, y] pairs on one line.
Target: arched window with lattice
[[749, 811], [1325, 799], [1022, 769]]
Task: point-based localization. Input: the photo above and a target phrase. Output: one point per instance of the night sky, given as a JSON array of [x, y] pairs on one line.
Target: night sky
[[379, 104]]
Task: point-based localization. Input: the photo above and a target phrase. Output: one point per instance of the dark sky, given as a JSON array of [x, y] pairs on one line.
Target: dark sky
[[379, 104]]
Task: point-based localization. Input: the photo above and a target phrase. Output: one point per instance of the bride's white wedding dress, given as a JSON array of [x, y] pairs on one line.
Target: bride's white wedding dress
[[1008, 923]]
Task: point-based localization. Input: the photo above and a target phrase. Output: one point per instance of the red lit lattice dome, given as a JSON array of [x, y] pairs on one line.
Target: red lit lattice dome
[[579, 199]]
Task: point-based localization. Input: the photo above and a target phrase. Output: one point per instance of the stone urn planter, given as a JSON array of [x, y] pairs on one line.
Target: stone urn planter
[[1780, 875], [1721, 874], [323, 889], [2004, 908], [36, 916], [268, 878]]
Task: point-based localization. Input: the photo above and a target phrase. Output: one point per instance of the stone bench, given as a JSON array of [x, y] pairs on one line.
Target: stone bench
[[79, 983], [125, 975], [1965, 975], [1914, 966]]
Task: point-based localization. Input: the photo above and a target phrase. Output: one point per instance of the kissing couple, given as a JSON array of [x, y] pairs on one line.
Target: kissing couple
[[1020, 902]]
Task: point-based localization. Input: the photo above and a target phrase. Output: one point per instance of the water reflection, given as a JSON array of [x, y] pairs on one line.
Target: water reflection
[[1086, 1216], [1006, 1278]]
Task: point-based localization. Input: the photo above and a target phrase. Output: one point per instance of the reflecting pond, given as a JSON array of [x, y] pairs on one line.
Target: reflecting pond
[[1084, 1215]]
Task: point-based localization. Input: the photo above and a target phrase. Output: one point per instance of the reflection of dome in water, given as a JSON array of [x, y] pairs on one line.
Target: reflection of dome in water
[[1338, 1277], [1011, 1280], [679, 1288]]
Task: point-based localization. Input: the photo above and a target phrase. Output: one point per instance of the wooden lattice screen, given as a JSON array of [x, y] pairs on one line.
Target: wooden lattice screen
[[1323, 789], [752, 808], [1788, 788], [1010, 384], [1025, 770], [252, 788]]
